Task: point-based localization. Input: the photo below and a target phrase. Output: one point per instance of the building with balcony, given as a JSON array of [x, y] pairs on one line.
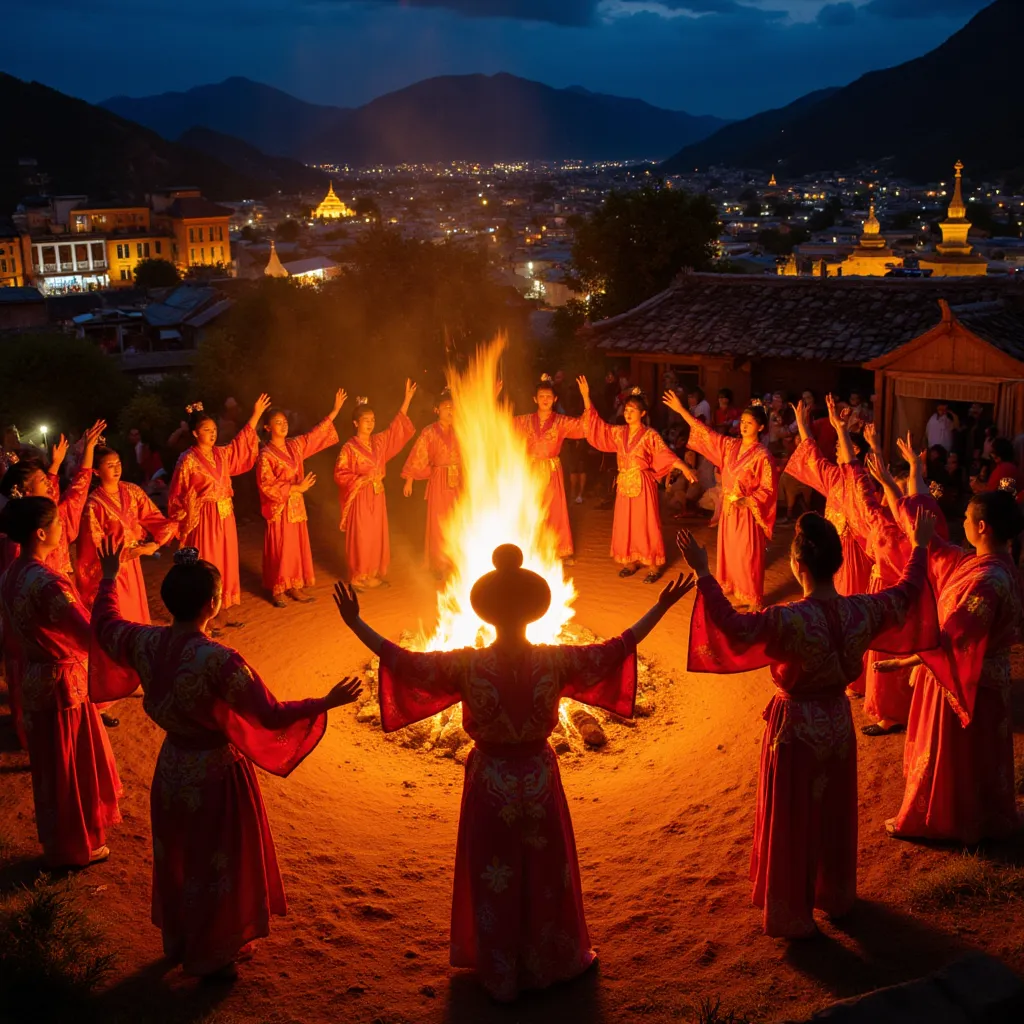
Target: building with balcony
[[59, 264]]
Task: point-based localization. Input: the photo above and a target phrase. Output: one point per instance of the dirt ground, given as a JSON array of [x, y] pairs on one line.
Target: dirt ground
[[365, 832]]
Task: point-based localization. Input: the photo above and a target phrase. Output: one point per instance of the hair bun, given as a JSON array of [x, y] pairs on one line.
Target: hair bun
[[186, 556]]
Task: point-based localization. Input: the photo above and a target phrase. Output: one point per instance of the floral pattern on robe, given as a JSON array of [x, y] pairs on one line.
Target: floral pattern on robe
[[277, 472]]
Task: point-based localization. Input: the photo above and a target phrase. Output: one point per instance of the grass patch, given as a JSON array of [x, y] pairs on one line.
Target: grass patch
[[50, 957], [709, 1011], [967, 879]]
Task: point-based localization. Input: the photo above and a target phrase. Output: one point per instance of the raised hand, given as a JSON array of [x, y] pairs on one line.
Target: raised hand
[[695, 555], [407, 489], [672, 400], [347, 603], [584, 386], [261, 405], [307, 481], [870, 433], [58, 454], [345, 692], [92, 436], [923, 529], [876, 467], [410, 390], [340, 397], [677, 588], [836, 416], [110, 557]]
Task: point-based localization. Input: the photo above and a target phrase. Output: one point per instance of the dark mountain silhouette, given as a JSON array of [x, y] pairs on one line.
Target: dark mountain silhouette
[[80, 148], [471, 117], [958, 101]]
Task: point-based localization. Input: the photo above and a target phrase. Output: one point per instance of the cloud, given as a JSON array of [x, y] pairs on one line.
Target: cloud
[[924, 8], [556, 12], [837, 15]]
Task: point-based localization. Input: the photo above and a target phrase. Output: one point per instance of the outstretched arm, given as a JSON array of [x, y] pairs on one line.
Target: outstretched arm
[[916, 483], [878, 469], [672, 400], [348, 607], [668, 597], [839, 424]]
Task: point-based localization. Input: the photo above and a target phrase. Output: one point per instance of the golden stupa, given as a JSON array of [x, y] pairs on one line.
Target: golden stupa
[[872, 257], [332, 208], [954, 255], [274, 267]]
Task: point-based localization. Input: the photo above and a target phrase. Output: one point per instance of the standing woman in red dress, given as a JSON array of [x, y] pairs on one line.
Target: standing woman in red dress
[[359, 474], [199, 498], [545, 431], [282, 481], [805, 828], [74, 778], [517, 902], [435, 457], [216, 881], [643, 458], [749, 498]]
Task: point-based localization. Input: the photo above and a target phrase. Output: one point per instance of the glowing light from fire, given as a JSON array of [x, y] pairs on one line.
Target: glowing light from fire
[[501, 503]]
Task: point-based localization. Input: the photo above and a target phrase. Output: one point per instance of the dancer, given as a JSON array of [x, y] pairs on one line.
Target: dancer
[[958, 759], [199, 499], [545, 431], [805, 829], [517, 906], [643, 457], [359, 474], [74, 779], [216, 880], [282, 480], [750, 490], [435, 458]]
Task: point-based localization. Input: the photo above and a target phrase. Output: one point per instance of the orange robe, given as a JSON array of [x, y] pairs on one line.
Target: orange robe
[[359, 473], [435, 458], [199, 500], [544, 445], [287, 557]]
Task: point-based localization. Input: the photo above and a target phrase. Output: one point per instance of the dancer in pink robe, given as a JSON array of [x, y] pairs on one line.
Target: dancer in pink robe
[[216, 880], [517, 904], [643, 458], [435, 457], [750, 499], [545, 431], [359, 473], [805, 828], [200, 496], [282, 481], [74, 778]]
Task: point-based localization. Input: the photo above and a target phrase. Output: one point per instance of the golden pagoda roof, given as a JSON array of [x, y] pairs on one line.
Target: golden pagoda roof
[[871, 225], [957, 208], [274, 267]]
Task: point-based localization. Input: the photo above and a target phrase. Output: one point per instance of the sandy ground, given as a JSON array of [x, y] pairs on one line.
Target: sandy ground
[[366, 830]]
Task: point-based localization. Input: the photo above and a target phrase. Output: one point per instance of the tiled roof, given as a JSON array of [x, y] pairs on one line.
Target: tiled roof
[[842, 320], [195, 208]]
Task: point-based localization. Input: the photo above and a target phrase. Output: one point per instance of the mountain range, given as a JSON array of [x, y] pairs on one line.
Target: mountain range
[[488, 118], [957, 102]]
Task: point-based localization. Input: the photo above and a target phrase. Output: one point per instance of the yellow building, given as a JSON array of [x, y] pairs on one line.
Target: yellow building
[[199, 230], [12, 265], [108, 219], [124, 253], [332, 208], [871, 257], [954, 256]]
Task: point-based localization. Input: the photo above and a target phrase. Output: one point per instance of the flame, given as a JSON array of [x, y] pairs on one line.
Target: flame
[[502, 502]]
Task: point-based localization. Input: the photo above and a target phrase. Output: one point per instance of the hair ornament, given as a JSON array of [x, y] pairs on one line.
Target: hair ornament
[[638, 391], [194, 407], [1008, 484], [546, 378], [935, 488], [12, 458], [16, 492], [186, 556], [756, 403], [361, 400]]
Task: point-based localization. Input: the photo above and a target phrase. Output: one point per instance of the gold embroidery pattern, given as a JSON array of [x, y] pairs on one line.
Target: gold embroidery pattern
[[630, 483]]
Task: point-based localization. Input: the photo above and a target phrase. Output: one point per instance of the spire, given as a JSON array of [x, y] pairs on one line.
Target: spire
[[274, 267], [956, 226], [957, 209], [330, 189], [871, 225]]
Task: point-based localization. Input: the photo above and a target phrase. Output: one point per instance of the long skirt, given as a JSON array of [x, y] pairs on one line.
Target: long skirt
[[805, 827], [556, 511], [13, 670], [636, 526], [287, 556], [886, 694], [854, 577], [74, 782], [440, 500], [367, 541], [215, 875], [217, 541], [959, 781], [741, 550], [517, 903]]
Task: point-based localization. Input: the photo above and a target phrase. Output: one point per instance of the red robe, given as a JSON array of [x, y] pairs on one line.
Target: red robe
[[808, 465], [805, 828], [543, 445], [743, 533], [216, 880], [74, 777], [958, 758], [199, 500], [359, 473], [642, 460], [287, 557], [435, 458], [517, 903]]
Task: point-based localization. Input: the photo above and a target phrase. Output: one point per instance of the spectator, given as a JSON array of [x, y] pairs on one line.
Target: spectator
[[609, 398], [942, 426], [973, 434], [1003, 467], [781, 424], [699, 407], [227, 424], [680, 493], [727, 416], [860, 413], [811, 401]]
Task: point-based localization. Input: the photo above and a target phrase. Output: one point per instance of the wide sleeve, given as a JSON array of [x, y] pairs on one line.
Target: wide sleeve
[[572, 427], [322, 436], [345, 470], [123, 642], [275, 735], [709, 444], [601, 435], [723, 640], [72, 504], [182, 505], [414, 686], [241, 453], [397, 435], [943, 555], [902, 619], [62, 609], [151, 519], [810, 467], [662, 457], [763, 499], [417, 464], [273, 485], [601, 675]]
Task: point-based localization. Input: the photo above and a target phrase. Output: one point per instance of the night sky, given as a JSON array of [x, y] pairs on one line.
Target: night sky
[[725, 57]]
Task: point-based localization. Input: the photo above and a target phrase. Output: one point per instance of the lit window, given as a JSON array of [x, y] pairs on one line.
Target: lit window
[[191, 234], [191, 255]]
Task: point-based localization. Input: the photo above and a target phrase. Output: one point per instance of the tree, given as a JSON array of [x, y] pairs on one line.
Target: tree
[[752, 209], [822, 219], [366, 206], [288, 231], [781, 243], [249, 234], [153, 273], [636, 242]]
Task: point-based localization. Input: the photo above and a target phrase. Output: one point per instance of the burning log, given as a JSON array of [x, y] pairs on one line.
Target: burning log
[[587, 726]]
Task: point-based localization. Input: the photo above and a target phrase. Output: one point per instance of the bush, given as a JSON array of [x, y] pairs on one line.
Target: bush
[[707, 1011], [964, 880], [156, 274], [48, 951]]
